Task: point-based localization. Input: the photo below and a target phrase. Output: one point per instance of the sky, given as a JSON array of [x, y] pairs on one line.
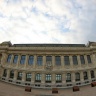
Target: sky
[[48, 21]]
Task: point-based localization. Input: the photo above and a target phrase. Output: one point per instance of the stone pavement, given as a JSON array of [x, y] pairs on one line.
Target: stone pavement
[[13, 90]]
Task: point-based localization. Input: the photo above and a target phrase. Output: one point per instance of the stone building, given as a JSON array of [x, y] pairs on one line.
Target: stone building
[[48, 65]]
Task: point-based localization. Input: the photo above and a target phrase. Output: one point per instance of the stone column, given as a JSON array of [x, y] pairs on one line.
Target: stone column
[[18, 61], [35, 61], [15, 75], [73, 77], [81, 76], [95, 73], [62, 61], [33, 78], [43, 78], [89, 75], [53, 78], [93, 58], [2, 71], [71, 61], [26, 61], [79, 62], [53, 61], [23, 76], [8, 74], [63, 78], [86, 62], [44, 61], [12, 57]]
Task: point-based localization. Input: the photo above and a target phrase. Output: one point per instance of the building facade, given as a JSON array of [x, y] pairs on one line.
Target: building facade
[[48, 65]]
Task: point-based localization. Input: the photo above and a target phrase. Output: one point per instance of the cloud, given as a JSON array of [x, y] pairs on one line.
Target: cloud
[[47, 21]]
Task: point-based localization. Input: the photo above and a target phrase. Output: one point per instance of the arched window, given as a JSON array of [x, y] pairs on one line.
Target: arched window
[[11, 74], [19, 76], [77, 76], [68, 77], [92, 74], [38, 77], [28, 76], [58, 78], [85, 75], [48, 78], [5, 73]]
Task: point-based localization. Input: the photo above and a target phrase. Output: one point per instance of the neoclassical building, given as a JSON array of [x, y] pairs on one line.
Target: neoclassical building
[[48, 65]]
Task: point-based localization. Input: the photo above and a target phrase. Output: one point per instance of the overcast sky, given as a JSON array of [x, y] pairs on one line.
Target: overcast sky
[[48, 21]]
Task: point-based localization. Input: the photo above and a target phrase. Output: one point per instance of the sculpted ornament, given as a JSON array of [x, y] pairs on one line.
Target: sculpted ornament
[[48, 65]]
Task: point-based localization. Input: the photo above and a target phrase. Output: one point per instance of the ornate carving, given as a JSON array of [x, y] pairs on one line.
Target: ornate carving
[[48, 65]]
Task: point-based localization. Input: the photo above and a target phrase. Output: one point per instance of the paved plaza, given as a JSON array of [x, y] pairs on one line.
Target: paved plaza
[[13, 90]]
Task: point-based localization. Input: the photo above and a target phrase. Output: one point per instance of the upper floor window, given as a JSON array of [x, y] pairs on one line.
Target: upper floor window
[[31, 60], [66, 60], [15, 59], [77, 76], [9, 58], [82, 59], [89, 58], [57, 60], [68, 77], [11, 74], [22, 61], [39, 60], [48, 78], [28, 76], [58, 78], [38, 77], [75, 62]]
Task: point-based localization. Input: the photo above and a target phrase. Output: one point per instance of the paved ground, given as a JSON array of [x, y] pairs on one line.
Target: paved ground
[[13, 90]]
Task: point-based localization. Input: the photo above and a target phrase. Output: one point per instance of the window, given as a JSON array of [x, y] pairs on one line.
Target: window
[[57, 60], [31, 60], [22, 61], [85, 75], [11, 74], [9, 58], [48, 78], [19, 76], [75, 62], [15, 59], [38, 77], [66, 60], [5, 73], [28, 76], [82, 59], [89, 58], [77, 76], [58, 78], [68, 77], [39, 60], [92, 74]]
